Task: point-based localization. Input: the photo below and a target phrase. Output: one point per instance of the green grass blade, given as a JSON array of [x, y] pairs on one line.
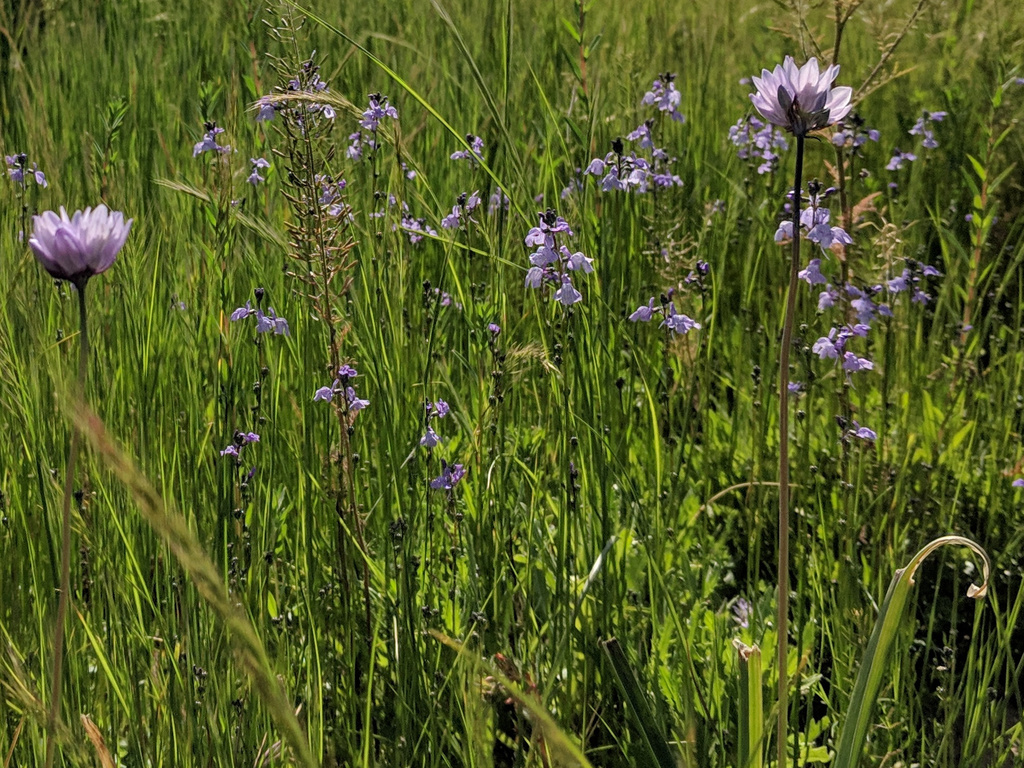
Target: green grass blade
[[869, 678], [653, 738], [174, 531], [751, 708]]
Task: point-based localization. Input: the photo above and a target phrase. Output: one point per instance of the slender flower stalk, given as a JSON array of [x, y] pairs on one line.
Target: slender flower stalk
[[65, 539], [799, 100], [782, 603], [73, 249]]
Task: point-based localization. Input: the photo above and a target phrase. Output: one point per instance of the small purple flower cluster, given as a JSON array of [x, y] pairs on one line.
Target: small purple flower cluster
[[910, 278], [898, 159], [444, 299], [923, 128], [209, 142], [417, 229], [863, 433], [815, 223], [758, 140], [742, 611], [307, 82], [17, 166], [450, 475], [833, 347], [392, 201], [852, 135], [465, 204], [342, 384], [632, 172], [552, 262], [475, 152], [330, 200], [257, 164], [239, 441], [675, 321], [863, 304], [664, 94], [265, 322], [436, 410], [366, 138]]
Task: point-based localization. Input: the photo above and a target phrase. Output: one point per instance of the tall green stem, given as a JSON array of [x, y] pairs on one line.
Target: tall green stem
[[782, 619], [65, 543]]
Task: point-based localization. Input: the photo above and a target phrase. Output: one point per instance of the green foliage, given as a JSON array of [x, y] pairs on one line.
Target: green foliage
[[619, 481]]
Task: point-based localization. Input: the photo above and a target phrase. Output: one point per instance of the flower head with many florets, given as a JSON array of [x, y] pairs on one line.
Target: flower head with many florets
[[76, 248], [801, 99]]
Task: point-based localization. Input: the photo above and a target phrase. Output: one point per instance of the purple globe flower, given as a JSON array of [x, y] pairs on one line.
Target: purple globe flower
[[76, 248], [801, 99]]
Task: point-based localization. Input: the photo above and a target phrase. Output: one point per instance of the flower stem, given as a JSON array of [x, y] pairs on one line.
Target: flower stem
[[65, 545], [782, 619]]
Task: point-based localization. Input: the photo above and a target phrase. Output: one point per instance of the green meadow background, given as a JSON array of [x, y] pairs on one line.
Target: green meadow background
[[619, 481]]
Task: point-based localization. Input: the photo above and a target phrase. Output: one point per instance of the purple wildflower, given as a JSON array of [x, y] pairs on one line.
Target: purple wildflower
[[567, 294], [853, 364], [827, 347], [643, 135], [645, 313], [864, 433], [812, 273], [77, 247], [354, 402], [665, 96], [271, 322], [243, 312], [266, 109], [450, 475], [475, 151], [758, 141], [923, 128], [437, 410], [378, 109], [741, 612], [679, 323], [430, 439], [209, 142], [827, 298], [17, 165], [852, 135], [801, 100], [552, 262], [417, 229], [257, 164], [898, 159]]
